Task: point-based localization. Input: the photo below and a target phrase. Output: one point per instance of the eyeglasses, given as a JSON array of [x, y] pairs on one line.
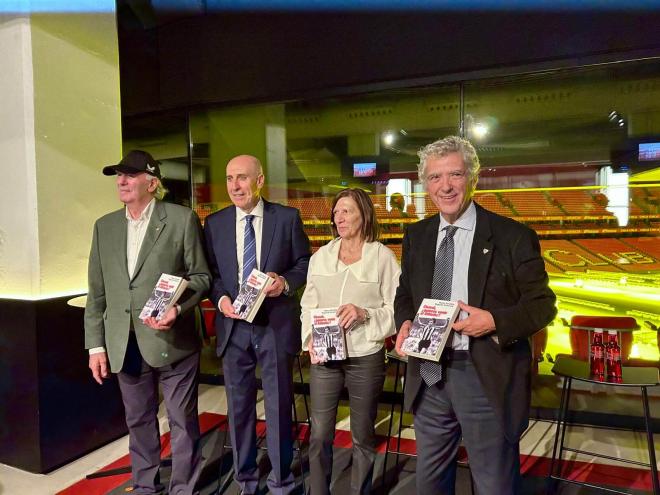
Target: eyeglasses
[[454, 177]]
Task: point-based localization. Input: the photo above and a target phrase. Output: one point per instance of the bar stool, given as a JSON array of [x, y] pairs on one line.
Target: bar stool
[[572, 369], [401, 363]]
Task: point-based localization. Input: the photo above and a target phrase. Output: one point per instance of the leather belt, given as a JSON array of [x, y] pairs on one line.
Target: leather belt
[[449, 355]]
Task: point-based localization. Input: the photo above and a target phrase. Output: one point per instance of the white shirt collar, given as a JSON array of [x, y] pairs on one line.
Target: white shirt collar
[[467, 220], [145, 215], [257, 211], [365, 270]]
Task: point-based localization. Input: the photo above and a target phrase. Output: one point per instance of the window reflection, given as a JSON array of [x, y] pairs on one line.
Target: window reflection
[[559, 151]]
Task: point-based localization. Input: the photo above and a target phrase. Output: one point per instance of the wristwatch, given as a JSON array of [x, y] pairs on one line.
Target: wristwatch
[[367, 317]]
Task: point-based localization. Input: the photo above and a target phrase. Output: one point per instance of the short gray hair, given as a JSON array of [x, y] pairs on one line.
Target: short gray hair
[[450, 144], [161, 190]]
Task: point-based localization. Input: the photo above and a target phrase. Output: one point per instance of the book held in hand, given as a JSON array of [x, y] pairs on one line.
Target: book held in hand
[[251, 295], [166, 293], [328, 338], [431, 329]]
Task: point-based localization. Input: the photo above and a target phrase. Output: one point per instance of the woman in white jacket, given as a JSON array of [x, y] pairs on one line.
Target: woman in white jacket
[[359, 276]]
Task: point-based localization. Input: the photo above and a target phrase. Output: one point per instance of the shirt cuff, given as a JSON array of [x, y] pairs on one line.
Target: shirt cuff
[[96, 350], [220, 302]]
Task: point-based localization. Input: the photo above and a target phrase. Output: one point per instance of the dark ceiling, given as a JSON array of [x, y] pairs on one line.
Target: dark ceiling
[[175, 61]]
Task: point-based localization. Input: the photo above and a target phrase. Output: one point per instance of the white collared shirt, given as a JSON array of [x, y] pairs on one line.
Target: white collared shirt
[[369, 283], [257, 224], [137, 228], [462, 248]]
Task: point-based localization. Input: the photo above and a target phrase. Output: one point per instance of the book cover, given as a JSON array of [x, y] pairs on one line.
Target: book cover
[[251, 295], [166, 293], [431, 329], [328, 338]]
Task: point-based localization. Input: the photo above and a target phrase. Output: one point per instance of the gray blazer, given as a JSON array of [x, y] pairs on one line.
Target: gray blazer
[[172, 244]]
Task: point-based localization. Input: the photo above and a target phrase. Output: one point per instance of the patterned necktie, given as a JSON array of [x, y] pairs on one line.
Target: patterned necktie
[[249, 248], [431, 371]]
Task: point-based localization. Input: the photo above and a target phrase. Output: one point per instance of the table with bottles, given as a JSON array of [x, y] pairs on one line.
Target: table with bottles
[[628, 376]]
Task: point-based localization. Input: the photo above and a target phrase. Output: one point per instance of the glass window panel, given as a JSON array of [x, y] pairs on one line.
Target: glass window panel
[[560, 152]]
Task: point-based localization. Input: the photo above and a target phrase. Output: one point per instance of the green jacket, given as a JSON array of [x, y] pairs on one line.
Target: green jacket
[[173, 245]]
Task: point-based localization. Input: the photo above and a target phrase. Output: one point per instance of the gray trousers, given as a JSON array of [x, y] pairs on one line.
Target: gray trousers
[[139, 391], [363, 377], [456, 407]]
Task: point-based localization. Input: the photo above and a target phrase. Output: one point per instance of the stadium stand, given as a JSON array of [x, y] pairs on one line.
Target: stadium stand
[[617, 253]]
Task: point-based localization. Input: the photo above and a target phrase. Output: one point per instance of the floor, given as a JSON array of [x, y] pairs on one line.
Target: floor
[[536, 446]]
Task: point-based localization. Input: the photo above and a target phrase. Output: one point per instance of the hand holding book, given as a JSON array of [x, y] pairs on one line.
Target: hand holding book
[[351, 316], [479, 322], [160, 310], [276, 287], [165, 323], [328, 342], [401, 336], [428, 333], [251, 295]]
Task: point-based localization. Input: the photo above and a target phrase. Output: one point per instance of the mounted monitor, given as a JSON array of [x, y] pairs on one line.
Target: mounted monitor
[[648, 152], [364, 167]]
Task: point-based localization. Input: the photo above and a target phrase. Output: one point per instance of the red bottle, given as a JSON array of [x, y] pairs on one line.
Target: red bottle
[[598, 355], [613, 353]]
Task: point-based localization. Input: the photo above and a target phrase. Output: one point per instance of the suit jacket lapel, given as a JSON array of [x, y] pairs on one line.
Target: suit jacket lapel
[[154, 229], [267, 232], [427, 254], [120, 235], [480, 258], [227, 244]]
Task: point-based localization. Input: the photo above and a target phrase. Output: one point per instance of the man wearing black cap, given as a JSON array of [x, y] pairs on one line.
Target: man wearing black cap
[[131, 248]]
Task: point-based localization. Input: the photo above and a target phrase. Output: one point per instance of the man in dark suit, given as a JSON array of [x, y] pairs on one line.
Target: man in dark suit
[[255, 233], [480, 390], [131, 248]]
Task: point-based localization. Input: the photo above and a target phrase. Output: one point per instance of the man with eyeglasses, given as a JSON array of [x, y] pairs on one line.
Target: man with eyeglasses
[[480, 390]]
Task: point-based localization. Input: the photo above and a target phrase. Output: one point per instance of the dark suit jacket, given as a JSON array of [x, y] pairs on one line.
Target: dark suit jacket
[[507, 277], [284, 250], [172, 244]]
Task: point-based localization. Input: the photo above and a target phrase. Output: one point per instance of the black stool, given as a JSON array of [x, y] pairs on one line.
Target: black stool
[[572, 369]]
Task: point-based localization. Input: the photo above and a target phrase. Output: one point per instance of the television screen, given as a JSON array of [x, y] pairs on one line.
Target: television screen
[[649, 152], [366, 169]]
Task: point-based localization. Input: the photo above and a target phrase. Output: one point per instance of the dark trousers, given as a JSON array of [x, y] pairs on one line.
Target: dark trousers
[[248, 346], [139, 391], [363, 377], [456, 407]]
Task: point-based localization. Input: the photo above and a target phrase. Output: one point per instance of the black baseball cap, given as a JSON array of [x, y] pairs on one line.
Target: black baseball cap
[[134, 162]]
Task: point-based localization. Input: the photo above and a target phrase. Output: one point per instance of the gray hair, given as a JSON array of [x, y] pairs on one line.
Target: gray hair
[[161, 190], [450, 144]]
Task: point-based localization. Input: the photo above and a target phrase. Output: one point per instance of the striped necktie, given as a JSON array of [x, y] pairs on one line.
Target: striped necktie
[[249, 248], [430, 371]]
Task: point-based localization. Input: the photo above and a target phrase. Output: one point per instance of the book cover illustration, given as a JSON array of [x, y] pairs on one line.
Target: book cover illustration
[[430, 329], [251, 295], [166, 293], [328, 338]]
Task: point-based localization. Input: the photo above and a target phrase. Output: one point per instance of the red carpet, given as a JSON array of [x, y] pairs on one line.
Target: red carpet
[[614, 476], [101, 486]]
